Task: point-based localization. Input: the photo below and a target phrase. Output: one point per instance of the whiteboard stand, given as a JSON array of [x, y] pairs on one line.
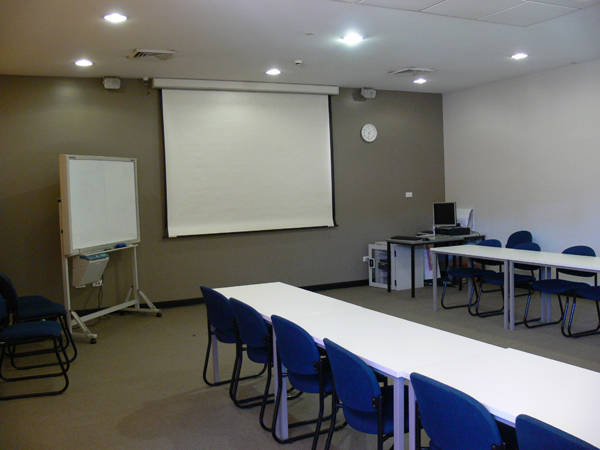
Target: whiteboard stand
[[129, 304]]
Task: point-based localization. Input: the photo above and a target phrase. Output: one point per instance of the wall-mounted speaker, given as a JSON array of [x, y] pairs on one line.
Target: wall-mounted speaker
[[368, 92], [111, 83]]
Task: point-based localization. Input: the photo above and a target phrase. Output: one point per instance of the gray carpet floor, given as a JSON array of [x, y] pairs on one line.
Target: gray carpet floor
[[140, 386]]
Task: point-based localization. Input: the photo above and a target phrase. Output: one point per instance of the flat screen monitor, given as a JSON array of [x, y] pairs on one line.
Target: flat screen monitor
[[444, 214]]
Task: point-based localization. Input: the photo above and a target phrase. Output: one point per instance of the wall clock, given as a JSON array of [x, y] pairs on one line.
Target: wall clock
[[369, 132]]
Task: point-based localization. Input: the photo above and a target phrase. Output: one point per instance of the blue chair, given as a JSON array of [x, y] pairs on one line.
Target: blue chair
[[521, 280], [32, 308], [256, 336], [465, 273], [307, 370], [367, 406], [557, 286], [484, 264], [519, 237], [221, 326], [589, 293], [533, 434], [452, 419], [34, 332]]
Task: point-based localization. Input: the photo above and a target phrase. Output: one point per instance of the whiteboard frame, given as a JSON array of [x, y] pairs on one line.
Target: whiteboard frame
[[66, 219]]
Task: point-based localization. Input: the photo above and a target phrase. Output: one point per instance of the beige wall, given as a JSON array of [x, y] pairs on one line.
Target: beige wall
[[41, 118], [524, 154]]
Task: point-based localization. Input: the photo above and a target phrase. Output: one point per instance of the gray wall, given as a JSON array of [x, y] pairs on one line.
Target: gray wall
[[524, 154], [42, 117]]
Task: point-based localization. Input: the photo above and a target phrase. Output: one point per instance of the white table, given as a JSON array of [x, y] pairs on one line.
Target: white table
[[392, 346], [510, 256], [510, 382]]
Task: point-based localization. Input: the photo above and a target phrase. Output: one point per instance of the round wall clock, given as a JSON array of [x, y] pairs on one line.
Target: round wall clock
[[369, 132]]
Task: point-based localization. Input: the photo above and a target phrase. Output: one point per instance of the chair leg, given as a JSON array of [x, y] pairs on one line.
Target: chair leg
[[462, 305], [64, 367], [335, 406], [589, 332], [494, 312], [527, 322]]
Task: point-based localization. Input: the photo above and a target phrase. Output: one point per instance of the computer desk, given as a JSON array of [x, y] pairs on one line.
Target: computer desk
[[392, 346], [422, 242], [510, 382], [510, 256]]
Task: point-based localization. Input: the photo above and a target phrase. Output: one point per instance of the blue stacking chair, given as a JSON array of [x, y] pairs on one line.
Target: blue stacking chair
[[465, 273], [33, 332], [558, 287], [221, 326], [256, 335], [589, 293], [307, 370], [533, 434], [31, 308], [452, 419], [484, 264], [518, 238], [520, 280], [367, 406]]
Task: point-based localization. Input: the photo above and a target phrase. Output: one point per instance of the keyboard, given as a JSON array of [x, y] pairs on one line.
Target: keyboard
[[407, 238]]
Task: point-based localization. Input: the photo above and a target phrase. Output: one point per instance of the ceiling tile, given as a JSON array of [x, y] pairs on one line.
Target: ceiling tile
[[580, 4], [471, 9], [528, 13], [407, 5]]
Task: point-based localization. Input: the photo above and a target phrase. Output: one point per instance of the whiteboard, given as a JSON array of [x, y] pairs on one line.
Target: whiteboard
[[98, 203]]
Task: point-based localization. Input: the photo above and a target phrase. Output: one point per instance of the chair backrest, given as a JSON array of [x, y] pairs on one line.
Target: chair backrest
[[251, 326], [489, 243], [355, 382], [532, 246], [533, 434], [518, 237], [9, 293], [452, 419], [297, 349], [220, 314], [582, 250]]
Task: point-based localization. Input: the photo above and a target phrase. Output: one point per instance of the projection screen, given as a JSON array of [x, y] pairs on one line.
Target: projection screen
[[246, 161]]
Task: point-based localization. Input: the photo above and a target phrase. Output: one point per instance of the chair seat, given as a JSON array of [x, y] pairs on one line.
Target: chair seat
[[497, 278], [40, 311], [556, 286], [30, 330], [589, 292], [466, 272]]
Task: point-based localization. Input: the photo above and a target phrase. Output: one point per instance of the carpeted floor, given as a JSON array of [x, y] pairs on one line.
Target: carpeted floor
[[140, 386]]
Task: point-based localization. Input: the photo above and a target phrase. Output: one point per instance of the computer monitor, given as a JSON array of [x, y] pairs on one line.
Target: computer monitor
[[444, 214]]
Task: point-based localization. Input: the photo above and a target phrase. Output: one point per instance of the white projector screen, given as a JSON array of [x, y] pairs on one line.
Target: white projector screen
[[246, 161]]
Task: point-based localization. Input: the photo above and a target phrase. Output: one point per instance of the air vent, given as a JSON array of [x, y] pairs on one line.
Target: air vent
[[413, 71], [162, 55]]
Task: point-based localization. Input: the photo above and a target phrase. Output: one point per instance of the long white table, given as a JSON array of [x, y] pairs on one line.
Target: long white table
[[510, 382], [392, 346], [510, 256]]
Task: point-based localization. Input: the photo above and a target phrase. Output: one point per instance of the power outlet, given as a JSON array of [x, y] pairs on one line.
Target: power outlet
[[97, 283]]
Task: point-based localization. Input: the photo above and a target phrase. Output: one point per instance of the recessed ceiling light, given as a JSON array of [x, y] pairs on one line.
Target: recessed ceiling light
[[115, 17], [420, 81], [519, 56], [83, 62], [273, 71], [352, 38]]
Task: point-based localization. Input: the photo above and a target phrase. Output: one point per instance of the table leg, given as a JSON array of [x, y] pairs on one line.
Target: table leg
[[413, 432], [434, 279], [509, 282], [546, 311], [389, 265], [282, 429], [398, 413], [412, 271]]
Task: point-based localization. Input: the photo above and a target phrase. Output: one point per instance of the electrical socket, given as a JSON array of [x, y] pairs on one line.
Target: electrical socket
[[365, 258], [97, 283]]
